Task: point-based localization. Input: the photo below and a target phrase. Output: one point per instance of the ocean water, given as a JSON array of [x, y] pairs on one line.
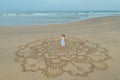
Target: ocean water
[[14, 18]]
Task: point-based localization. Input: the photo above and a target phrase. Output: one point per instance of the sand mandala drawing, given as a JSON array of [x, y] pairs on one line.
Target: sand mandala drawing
[[79, 58]]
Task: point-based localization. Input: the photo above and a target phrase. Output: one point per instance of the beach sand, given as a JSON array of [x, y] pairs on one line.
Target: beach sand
[[103, 32]]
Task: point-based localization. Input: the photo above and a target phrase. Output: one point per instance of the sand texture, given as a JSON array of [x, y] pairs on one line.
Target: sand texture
[[92, 51]]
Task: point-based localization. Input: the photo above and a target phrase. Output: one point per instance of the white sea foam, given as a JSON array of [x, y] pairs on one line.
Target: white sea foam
[[41, 14], [29, 18]]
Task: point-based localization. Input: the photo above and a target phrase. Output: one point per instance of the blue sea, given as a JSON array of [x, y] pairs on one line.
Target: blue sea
[[17, 18]]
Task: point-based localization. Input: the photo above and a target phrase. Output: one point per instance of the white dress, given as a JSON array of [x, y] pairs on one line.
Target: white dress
[[62, 41]]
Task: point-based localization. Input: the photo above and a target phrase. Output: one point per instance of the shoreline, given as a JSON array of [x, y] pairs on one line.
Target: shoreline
[[13, 26]]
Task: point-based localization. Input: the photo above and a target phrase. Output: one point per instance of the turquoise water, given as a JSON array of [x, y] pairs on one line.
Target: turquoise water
[[13, 18]]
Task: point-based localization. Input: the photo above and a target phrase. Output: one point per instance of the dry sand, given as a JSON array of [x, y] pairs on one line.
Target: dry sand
[[104, 31]]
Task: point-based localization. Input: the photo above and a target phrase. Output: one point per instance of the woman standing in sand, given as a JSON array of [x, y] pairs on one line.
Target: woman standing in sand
[[62, 46]]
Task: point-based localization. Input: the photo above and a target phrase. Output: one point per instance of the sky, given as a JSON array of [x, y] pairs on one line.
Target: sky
[[59, 5]]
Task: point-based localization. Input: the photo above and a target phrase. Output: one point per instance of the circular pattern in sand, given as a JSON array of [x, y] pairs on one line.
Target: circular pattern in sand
[[79, 58]]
